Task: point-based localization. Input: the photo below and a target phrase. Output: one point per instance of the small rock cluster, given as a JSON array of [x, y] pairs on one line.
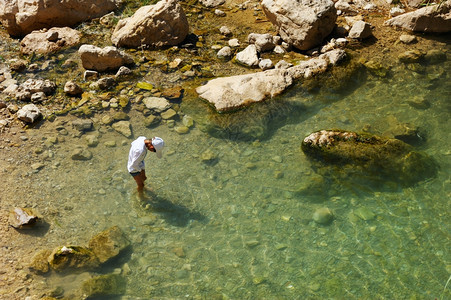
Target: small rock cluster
[[102, 247]]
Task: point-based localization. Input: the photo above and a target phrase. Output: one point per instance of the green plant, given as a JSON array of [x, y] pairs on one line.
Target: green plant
[[444, 289]]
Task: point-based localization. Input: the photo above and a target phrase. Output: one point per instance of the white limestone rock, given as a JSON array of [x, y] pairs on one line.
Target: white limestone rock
[[248, 56], [159, 25], [225, 52], [103, 59], [301, 23], [228, 93], [265, 64], [29, 113], [263, 42], [433, 18], [157, 104], [360, 30], [53, 40], [212, 3], [21, 17]]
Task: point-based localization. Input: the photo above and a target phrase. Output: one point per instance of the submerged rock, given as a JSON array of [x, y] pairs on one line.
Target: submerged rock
[[72, 257], [384, 158], [83, 125], [364, 214], [162, 24], [81, 154], [157, 104], [323, 216], [108, 244], [123, 127], [103, 285], [40, 264]]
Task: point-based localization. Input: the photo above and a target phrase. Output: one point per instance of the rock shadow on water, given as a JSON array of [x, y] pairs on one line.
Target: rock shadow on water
[[259, 121], [174, 214], [40, 229]]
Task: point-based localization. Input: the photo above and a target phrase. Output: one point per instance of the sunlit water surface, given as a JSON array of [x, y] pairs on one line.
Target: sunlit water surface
[[244, 230]]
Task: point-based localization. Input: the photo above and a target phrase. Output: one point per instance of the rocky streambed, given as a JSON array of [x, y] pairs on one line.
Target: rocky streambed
[[72, 101]]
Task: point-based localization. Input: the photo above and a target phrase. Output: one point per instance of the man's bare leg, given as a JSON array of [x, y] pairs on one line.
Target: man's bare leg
[[140, 182]]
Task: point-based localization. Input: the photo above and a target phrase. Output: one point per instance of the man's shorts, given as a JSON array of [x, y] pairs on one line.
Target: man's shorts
[[135, 173]]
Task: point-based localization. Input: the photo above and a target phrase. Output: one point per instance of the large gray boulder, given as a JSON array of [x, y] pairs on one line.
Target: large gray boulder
[[21, 17], [162, 24], [47, 41], [103, 59], [301, 23], [229, 93], [434, 18]]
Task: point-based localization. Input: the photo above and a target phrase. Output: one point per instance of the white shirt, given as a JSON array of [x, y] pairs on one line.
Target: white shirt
[[136, 155]]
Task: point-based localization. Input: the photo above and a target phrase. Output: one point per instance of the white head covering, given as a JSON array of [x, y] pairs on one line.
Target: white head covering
[[158, 144]]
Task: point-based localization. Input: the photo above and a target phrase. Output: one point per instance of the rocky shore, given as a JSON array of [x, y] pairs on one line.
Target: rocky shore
[[86, 72]]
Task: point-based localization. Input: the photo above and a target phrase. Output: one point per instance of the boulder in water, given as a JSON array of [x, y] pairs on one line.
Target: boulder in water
[[72, 257], [40, 263], [323, 216], [108, 244], [104, 285], [374, 156]]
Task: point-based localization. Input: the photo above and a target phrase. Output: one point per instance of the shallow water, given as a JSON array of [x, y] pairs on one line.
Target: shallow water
[[245, 231]]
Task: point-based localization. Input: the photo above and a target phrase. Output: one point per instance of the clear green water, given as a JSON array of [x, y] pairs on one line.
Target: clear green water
[[245, 232]]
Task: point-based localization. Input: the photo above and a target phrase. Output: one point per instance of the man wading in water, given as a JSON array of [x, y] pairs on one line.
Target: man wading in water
[[136, 156]]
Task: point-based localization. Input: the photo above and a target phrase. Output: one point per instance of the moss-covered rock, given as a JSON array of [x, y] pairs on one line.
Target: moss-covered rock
[[72, 257], [110, 284], [369, 155], [40, 262], [376, 68], [108, 243]]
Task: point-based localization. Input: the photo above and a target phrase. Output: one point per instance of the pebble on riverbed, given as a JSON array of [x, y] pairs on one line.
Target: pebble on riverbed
[[323, 216]]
